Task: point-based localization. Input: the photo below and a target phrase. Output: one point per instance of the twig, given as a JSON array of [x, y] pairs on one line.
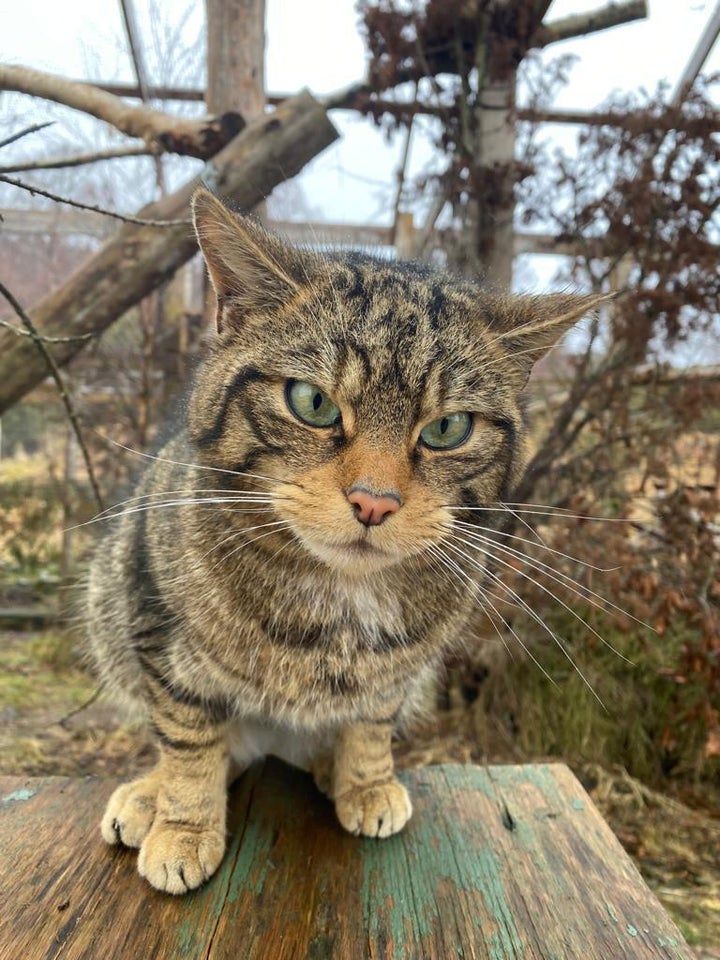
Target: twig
[[62, 389], [85, 206], [73, 713], [26, 333], [24, 133], [77, 161]]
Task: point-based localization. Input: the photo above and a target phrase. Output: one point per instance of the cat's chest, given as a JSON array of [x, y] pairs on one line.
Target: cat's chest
[[338, 618]]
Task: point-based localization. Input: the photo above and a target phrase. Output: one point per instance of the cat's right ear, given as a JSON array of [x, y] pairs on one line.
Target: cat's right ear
[[253, 272]]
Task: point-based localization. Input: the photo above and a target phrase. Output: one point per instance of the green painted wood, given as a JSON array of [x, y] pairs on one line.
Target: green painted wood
[[497, 863]]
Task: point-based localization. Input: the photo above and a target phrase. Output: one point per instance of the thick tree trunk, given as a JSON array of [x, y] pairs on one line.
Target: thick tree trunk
[[236, 56], [137, 259]]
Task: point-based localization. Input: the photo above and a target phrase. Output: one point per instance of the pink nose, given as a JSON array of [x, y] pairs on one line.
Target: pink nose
[[370, 509]]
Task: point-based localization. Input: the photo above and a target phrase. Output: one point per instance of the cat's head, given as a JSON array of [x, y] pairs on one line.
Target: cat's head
[[380, 396]]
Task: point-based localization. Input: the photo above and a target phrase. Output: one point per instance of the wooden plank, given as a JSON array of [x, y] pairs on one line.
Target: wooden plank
[[497, 862]]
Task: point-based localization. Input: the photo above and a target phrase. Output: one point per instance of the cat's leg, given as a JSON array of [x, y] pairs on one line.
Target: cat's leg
[[176, 813], [369, 800], [321, 766]]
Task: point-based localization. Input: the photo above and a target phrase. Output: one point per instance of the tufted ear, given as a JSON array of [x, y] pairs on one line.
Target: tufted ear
[[526, 327], [252, 271]]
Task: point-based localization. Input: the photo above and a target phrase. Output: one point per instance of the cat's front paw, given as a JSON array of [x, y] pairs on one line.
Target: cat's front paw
[[130, 812], [374, 811], [176, 858]]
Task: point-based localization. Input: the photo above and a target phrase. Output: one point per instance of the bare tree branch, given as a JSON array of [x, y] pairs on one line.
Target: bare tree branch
[[57, 163], [580, 24], [24, 133], [54, 371], [26, 333], [85, 206], [160, 131]]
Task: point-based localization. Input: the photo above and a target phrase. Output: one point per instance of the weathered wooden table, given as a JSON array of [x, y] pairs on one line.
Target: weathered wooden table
[[497, 862]]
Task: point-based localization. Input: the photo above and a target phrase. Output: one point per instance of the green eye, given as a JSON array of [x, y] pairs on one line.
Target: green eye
[[447, 432], [310, 404]]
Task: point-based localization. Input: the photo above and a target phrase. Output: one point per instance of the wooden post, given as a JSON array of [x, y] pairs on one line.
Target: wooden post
[[405, 243], [236, 56], [496, 154], [235, 76], [236, 63]]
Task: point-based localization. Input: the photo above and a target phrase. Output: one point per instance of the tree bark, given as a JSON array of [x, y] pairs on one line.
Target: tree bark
[[160, 131], [138, 259], [580, 24], [236, 56]]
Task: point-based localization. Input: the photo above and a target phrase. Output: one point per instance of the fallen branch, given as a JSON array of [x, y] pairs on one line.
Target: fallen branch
[[161, 132], [137, 259]]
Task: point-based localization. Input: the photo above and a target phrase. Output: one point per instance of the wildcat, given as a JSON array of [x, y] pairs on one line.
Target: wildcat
[[282, 583]]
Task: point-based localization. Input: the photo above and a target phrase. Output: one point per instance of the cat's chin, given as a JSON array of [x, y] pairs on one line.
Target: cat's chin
[[355, 558]]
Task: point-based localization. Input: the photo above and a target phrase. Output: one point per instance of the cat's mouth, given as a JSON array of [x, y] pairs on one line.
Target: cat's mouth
[[360, 554], [363, 548]]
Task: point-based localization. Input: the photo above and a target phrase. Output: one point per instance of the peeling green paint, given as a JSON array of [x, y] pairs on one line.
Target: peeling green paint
[[18, 795], [578, 804], [612, 913], [399, 893], [253, 860], [632, 930]]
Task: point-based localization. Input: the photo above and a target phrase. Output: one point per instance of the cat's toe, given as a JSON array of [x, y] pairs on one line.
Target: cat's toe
[[375, 811], [176, 858], [130, 813]]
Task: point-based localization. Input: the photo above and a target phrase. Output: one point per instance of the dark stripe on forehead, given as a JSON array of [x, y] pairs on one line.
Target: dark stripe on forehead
[[354, 287], [241, 379], [437, 306]]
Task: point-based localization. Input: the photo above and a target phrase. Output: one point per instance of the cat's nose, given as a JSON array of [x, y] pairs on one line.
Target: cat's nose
[[373, 509]]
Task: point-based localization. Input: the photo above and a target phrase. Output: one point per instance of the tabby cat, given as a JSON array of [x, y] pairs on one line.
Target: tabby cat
[[290, 573]]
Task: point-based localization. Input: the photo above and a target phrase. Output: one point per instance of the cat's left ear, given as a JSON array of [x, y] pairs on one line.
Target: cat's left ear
[[253, 272], [531, 325]]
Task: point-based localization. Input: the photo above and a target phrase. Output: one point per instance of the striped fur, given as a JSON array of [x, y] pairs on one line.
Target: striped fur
[[238, 603]]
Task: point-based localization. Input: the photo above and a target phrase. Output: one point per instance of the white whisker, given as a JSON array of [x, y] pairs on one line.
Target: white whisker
[[285, 524], [145, 508], [585, 593], [476, 587], [525, 606], [199, 466], [474, 527], [558, 513], [526, 576]]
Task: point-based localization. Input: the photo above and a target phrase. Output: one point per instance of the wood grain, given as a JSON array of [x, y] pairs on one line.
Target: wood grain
[[497, 862]]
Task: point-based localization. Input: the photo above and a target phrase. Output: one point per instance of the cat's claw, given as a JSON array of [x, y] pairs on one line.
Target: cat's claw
[[374, 811], [176, 858], [130, 813]]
